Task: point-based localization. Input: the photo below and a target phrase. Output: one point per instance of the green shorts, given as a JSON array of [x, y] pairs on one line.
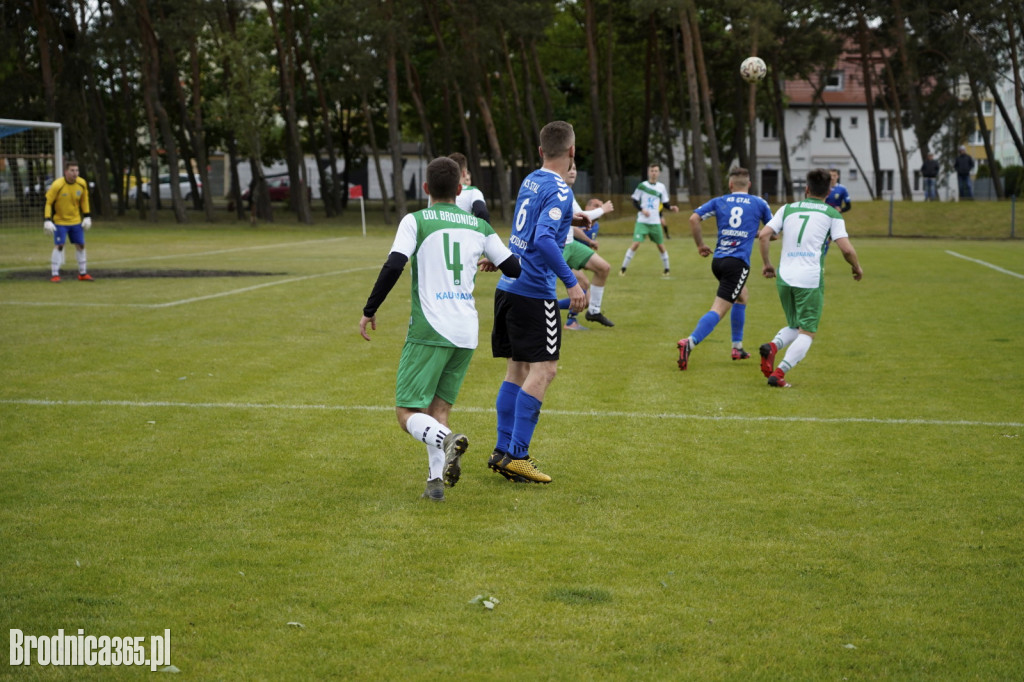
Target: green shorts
[[577, 254], [427, 371], [652, 230], [802, 306]]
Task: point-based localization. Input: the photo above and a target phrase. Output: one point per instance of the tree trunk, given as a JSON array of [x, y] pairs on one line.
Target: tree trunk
[[601, 178], [293, 146], [868, 70], [376, 160], [779, 108], [698, 191], [529, 152], [709, 119], [394, 132], [993, 168]]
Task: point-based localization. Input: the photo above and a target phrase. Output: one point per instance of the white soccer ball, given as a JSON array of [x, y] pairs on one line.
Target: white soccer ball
[[753, 69]]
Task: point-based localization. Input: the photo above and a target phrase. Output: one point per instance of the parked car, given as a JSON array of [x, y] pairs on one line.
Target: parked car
[[165, 188], [279, 187]]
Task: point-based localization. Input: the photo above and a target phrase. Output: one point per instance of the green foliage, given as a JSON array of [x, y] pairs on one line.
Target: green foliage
[[219, 456]]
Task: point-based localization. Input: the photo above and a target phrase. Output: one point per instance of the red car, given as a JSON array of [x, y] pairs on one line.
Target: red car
[[279, 188]]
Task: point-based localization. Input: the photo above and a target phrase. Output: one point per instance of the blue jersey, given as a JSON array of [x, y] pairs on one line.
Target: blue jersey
[[591, 231], [543, 218], [839, 199], [739, 216]]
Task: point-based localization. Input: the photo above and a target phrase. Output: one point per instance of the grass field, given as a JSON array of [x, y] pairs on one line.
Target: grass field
[[218, 456]]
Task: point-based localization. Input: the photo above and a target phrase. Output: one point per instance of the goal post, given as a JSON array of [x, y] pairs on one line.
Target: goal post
[[31, 157]]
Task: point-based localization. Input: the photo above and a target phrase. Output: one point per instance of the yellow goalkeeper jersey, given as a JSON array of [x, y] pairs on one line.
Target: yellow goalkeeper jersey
[[67, 203]]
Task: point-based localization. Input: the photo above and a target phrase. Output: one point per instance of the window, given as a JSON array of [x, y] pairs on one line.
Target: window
[[853, 121], [832, 131], [835, 81], [885, 181], [986, 107], [917, 180], [976, 138], [768, 131], [852, 175], [884, 128]]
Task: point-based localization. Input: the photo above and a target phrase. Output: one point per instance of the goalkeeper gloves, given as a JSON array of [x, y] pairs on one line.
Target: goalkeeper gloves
[[49, 226], [87, 223]]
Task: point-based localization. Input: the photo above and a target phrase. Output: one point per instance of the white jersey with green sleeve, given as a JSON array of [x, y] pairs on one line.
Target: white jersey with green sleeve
[[467, 197], [806, 228], [650, 196], [443, 244]]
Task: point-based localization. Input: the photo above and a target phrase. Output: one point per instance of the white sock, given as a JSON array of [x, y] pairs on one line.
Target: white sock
[[796, 352], [435, 462], [426, 429], [737, 344], [80, 254], [55, 261], [785, 337], [629, 256], [596, 294], [664, 259]]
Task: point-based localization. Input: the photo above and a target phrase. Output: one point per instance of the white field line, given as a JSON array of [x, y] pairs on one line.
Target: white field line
[[987, 265], [171, 256], [169, 304], [487, 410]]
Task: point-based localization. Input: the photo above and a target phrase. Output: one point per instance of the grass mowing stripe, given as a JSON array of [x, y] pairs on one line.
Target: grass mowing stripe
[[485, 410], [196, 299], [987, 265], [218, 252]]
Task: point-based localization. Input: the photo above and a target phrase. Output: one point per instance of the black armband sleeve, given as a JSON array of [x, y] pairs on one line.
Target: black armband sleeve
[[386, 281], [511, 267], [637, 205], [480, 211]]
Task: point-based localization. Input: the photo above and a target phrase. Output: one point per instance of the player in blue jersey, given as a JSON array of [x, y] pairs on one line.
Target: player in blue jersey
[[739, 216], [838, 198], [527, 326]]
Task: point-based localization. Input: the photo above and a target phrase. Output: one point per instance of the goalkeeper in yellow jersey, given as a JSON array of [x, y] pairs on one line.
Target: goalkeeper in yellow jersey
[[66, 217]]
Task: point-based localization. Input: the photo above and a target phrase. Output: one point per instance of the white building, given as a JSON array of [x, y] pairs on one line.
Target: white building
[[833, 132]]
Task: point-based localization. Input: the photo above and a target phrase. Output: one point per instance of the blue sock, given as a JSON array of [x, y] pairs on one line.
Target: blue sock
[[739, 318], [527, 416], [505, 406], [563, 304], [705, 326]]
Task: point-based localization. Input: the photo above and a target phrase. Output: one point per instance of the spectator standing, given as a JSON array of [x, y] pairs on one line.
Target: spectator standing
[[930, 173], [963, 165]]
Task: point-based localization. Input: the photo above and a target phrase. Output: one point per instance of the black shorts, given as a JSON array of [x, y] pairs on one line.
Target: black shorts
[[525, 329], [732, 274]]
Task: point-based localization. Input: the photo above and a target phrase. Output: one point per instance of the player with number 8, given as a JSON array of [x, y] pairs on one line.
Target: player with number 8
[[739, 216]]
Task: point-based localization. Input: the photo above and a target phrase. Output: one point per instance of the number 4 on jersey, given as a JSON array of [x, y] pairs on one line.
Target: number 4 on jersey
[[453, 259]]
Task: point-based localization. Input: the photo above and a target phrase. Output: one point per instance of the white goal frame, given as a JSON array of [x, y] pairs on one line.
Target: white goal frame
[[12, 127]]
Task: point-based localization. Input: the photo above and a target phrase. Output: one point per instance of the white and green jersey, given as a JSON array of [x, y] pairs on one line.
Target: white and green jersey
[[469, 196], [806, 228], [651, 197], [443, 244]]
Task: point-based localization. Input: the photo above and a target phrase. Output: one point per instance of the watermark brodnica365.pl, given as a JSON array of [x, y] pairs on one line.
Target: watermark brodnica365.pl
[[83, 649]]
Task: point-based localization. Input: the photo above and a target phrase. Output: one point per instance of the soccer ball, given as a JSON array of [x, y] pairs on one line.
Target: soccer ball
[[753, 69]]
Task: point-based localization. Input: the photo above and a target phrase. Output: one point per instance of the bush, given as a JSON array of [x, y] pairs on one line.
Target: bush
[[1013, 180]]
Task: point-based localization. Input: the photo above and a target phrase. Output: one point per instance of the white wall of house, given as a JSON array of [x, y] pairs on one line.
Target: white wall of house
[[824, 148], [414, 171]]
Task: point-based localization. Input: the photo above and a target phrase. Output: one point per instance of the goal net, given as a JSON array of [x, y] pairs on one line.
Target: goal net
[[31, 156]]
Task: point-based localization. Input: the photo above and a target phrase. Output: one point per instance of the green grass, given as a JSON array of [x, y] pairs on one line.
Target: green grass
[[231, 463]]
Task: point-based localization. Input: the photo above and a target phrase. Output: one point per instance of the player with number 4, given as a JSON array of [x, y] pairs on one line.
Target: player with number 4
[[739, 216]]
